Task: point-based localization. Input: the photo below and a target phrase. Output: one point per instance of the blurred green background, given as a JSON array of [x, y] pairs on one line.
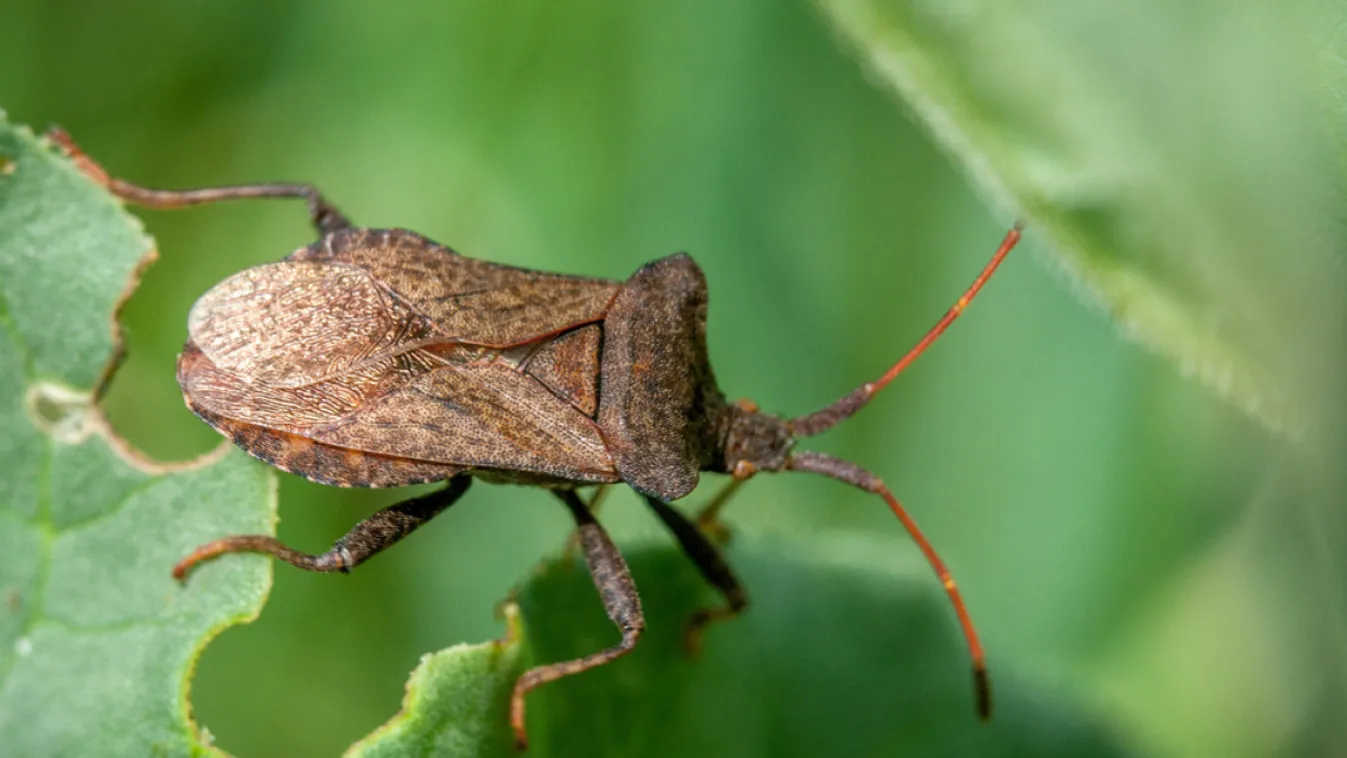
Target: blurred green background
[[1125, 538]]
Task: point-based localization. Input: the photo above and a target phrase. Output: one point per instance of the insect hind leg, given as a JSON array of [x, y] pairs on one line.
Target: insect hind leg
[[374, 534], [322, 213]]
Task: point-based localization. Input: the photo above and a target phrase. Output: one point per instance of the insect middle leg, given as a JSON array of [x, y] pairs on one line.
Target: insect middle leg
[[596, 500], [367, 538], [618, 591], [709, 561], [323, 214]]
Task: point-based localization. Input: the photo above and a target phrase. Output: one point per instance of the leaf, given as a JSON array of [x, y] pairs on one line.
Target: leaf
[[97, 642], [458, 702], [1173, 155], [837, 656]]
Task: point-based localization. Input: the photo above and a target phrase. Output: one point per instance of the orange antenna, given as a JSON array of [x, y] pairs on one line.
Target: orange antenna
[[844, 471], [829, 416]]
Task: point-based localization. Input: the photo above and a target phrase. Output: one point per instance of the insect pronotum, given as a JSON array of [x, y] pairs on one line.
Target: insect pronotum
[[379, 358]]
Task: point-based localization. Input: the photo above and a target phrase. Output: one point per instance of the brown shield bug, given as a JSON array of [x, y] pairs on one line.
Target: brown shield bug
[[378, 358]]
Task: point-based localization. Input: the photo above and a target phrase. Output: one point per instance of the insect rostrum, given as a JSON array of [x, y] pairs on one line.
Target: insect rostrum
[[378, 358]]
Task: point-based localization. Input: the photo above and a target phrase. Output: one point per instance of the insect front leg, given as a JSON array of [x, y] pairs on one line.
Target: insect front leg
[[708, 560], [323, 214], [618, 591], [364, 540], [708, 518]]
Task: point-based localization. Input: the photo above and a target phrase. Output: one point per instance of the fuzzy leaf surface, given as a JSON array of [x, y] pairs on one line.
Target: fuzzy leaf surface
[[1178, 159]]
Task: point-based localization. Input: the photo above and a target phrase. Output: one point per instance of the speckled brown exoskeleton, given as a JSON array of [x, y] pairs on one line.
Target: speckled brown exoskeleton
[[378, 358]]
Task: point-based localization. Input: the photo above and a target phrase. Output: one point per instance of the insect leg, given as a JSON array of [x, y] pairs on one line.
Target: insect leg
[[364, 540], [573, 540], [323, 214], [620, 600], [601, 494], [708, 518], [706, 556]]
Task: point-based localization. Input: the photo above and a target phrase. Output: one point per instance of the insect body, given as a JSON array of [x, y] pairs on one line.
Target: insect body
[[378, 358]]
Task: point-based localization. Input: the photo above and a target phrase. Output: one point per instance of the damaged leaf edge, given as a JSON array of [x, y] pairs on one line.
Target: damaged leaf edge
[[87, 403]]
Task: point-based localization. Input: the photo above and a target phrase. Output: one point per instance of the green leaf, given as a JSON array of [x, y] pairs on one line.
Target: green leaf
[[837, 656], [1173, 156], [97, 642], [458, 702]]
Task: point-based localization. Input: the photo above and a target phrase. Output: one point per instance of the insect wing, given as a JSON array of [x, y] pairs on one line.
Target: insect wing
[[467, 300], [487, 415], [295, 324], [332, 345]]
